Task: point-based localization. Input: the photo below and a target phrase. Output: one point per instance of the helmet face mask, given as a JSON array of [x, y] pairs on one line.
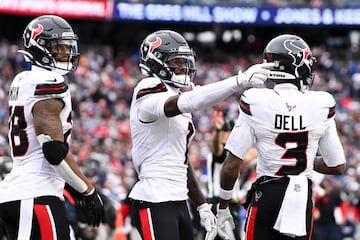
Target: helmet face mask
[[182, 68], [64, 53], [50, 43], [166, 55], [293, 58]]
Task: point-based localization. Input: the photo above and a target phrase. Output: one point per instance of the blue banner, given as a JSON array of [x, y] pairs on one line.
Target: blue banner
[[237, 14]]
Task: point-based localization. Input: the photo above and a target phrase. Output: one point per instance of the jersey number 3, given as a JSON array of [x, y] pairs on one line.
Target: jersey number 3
[[300, 139]]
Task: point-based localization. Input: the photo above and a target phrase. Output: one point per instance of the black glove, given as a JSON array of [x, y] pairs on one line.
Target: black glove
[[91, 206]]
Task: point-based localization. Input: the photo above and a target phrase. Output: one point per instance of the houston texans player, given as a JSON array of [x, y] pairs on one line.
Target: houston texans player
[[31, 199], [289, 125], [162, 128]]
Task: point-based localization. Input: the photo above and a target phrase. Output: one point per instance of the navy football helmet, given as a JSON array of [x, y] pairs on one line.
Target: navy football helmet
[[166, 54], [293, 59], [51, 43]]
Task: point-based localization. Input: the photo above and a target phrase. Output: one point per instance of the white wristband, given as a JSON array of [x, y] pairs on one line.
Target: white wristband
[[225, 194], [91, 192]]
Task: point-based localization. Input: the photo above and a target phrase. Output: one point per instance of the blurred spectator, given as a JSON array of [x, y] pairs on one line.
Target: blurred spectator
[[328, 216]]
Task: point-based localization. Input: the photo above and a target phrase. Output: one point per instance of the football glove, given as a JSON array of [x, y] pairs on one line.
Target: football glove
[[92, 207], [207, 219], [255, 75], [223, 216]]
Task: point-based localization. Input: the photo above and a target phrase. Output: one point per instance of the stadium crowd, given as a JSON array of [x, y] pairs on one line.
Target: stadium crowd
[[101, 93]]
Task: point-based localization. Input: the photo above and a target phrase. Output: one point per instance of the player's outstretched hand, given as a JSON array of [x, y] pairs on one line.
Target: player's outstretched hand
[[255, 75]]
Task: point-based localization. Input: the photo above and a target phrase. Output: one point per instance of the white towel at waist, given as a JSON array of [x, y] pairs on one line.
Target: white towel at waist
[[291, 220]]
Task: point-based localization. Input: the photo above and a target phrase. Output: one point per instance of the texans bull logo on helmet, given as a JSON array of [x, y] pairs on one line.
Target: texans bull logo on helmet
[[298, 53], [150, 47], [32, 33]]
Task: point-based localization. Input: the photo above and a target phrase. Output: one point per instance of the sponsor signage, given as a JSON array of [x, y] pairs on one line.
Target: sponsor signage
[[236, 14], [97, 9], [224, 14]]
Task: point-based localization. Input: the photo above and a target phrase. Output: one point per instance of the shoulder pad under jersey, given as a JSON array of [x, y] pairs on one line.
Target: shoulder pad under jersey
[[254, 94], [149, 86], [323, 100], [48, 83], [250, 96]]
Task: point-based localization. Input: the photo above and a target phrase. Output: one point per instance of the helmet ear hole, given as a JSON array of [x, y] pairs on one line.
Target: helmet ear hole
[[46, 60], [164, 74]]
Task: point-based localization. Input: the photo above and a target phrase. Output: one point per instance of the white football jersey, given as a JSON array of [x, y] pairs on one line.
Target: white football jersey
[[288, 128], [159, 144], [32, 175]]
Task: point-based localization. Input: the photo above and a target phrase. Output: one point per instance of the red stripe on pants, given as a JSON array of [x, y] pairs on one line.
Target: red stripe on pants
[[145, 224], [312, 225], [251, 224], [46, 230]]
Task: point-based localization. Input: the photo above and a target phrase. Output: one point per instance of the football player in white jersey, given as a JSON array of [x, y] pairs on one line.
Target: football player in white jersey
[[162, 128], [31, 199], [289, 125]]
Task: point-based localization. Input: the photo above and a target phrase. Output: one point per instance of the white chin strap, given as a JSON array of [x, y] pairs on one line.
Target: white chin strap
[[182, 80]]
